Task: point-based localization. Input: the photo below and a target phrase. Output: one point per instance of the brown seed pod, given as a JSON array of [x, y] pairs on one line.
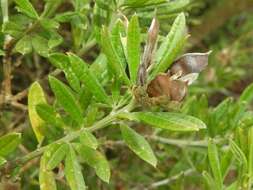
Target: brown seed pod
[[178, 90], [163, 85], [148, 52], [159, 86], [190, 63]]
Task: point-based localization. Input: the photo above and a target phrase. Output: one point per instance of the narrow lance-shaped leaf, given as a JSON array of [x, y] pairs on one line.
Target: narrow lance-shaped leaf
[[2, 161], [66, 99], [96, 160], [167, 120], [40, 45], [138, 145], [73, 171], [24, 6], [222, 108], [49, 115], [215, 163], [35, 97], [133, 47], [24, 45], [250, 157], [209, 180], [226, 161], [46, 178], [8, 143], [61, 61], [117, 32], [56, 153], [113, 59], [88, 139], [170, 47], [247, 94], [50, 7], [82, 71], [239, 155], [174, 6]]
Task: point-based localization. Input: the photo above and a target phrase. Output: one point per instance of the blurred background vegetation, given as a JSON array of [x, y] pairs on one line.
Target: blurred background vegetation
[[223, 26]]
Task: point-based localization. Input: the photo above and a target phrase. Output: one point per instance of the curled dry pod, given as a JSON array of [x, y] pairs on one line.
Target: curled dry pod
[[159, 86], [178, 90], [190, 63], [148, 52], [163, 85]]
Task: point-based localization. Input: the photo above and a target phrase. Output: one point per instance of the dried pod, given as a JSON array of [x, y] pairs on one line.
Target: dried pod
[[190, 63], [148, 51], [163, 85], [178, 90], [159, 86]]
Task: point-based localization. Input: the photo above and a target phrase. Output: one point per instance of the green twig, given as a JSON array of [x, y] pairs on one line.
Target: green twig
[[70, 137]]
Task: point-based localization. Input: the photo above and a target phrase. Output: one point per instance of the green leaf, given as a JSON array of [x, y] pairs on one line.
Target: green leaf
[[49, 115], [215, 163], [171, 46], [247, 94], [114, 62], [239, 155], [40, 45], [72, 78], [65, 16], [13, 29], [56, 153], [2, 161], [24, 6], [138, 145], [226, 161], [133, 47], [82, 71], [35, 97], [2, 53], [67, 100], [24, 45], [46, 178], [250, 157], [49, 23], [222, 108], [97, 161], [77, 30], [168, 120], [209, 180], [61, 61], [117, 32], [54, 40], [174, 6], [8, 143], [73, 171], [233, 186], [88, 139], [50, 7]]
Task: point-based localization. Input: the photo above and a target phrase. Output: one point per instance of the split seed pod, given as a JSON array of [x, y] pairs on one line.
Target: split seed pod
[[184, 72], [190, 63], [164, 85], [148, 52]]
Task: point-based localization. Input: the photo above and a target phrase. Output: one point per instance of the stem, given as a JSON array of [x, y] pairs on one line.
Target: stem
[[73, 135], [169, 180], [6, 85], [180, 143], [87, 47]]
